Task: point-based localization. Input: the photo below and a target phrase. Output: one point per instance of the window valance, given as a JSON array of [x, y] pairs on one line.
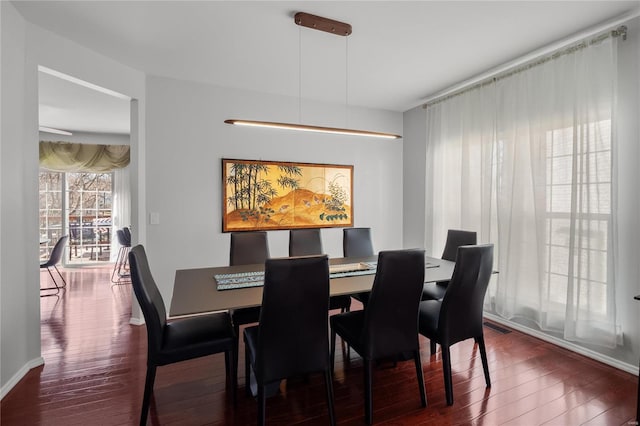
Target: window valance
[[73, 157]]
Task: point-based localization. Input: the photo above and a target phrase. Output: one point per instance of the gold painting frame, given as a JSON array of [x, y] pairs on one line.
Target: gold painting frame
[[271, 195]]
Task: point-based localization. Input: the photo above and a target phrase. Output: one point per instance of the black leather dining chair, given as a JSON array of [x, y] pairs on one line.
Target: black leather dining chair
[[356, 242], [178, 340], [442, 321], [54, 258], [291, 338], [305, 242], [388, 326], [308, 242], [455, 239], [247, 248]]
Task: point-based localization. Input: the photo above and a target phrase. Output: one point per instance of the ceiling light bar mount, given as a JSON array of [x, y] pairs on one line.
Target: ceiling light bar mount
[[322, 24]]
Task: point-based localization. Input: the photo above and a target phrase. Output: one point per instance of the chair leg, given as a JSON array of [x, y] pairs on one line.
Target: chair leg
[[348, 309], [432, 346], [262, 402], [232, 375], [116, 266], [53, 279], [56, 287], [344, 343], [236, 342], [247, 372], [63, 280], [423, 392], [328, 381], [446, 370], [121, 273], [485, 363], [122, 266], [368, 391], [332, 354], [148, 390]]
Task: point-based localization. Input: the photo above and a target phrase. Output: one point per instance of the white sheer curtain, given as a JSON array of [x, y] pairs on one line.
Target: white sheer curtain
[[526, 161], [121, 208]]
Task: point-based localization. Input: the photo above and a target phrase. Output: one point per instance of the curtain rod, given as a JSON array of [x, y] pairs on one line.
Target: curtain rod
[[608, 29]]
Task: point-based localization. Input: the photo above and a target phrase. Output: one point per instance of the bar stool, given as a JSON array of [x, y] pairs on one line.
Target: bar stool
[[121, 273]]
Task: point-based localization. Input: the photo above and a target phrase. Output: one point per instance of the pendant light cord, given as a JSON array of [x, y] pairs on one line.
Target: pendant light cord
[[300, 75]]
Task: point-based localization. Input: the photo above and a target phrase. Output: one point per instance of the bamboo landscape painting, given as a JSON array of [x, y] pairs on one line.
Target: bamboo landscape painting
[[263, 195]]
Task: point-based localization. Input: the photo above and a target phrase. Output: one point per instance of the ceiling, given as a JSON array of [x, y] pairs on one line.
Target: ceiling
[[65, 105], [400, 52]]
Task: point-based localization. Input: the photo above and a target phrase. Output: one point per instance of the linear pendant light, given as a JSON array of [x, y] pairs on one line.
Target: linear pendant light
[[308, 128], [333, 27]]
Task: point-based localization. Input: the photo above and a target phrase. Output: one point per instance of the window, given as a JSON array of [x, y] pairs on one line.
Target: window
[[578, 172], [77, 204]]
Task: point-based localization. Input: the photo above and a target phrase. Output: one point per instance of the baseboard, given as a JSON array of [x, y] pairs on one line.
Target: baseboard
[[136, 321], [629, 368], [19, 375]]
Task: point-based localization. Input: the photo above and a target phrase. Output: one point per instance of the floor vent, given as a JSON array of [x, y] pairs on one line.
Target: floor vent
[[496, 328]]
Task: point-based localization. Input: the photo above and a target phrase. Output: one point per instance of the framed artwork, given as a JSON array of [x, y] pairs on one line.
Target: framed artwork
[[270, 195]]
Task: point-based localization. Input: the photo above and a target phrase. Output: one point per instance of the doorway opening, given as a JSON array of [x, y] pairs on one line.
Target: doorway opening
[[84, 192]]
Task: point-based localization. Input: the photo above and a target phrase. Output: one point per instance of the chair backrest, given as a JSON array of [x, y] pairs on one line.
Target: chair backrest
[[305, 242], [455, 239], [293, 335], [356, 242], [57, 251], [149, 298], [75, 232], [248, 248], [122, 238], [391, 315], [465, 294], [127, 236]]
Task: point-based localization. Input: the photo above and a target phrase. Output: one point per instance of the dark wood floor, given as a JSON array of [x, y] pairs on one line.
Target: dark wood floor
[[95, 364]]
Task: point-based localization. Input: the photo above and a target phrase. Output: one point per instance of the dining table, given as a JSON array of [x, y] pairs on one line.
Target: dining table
[[199, 291]]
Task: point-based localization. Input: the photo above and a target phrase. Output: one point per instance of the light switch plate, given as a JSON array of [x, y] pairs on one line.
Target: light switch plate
[[154, 218]]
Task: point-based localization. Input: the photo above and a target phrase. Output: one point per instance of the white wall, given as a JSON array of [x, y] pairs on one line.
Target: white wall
[[19, 310], [24, 47], [414, 166], [628, 150], [187, 139]]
